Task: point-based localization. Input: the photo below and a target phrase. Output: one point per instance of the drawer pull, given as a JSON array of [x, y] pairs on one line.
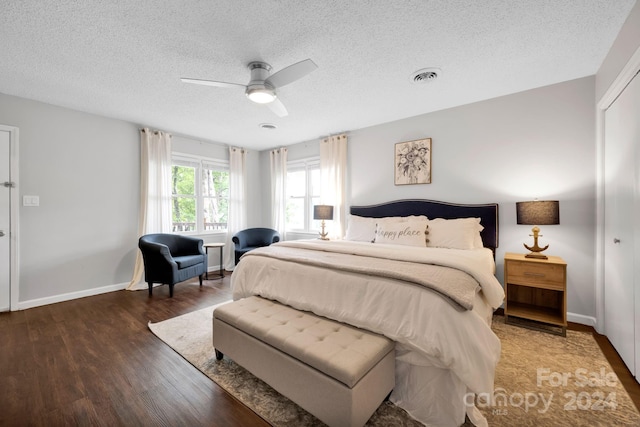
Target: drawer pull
[[526, 273]]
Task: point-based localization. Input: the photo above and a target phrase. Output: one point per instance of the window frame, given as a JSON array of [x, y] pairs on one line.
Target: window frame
[[199, 163], [307, 165]]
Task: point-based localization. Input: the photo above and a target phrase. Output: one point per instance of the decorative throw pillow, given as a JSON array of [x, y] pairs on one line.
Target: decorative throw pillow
[[460, 233], [361, 229], [409, 233]]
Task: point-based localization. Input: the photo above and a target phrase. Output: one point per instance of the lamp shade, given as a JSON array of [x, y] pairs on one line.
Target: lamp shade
[[542, 212], [323, 212]]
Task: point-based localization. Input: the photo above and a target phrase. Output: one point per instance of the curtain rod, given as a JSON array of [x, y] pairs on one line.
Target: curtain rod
[[155, 132], [345, 133], [334, 135]]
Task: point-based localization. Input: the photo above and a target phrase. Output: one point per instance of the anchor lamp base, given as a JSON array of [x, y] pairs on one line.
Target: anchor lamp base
[[535, 249]]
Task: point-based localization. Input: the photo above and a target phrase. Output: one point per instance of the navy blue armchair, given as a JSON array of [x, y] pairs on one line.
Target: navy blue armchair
[[172, 258], [252, 238]]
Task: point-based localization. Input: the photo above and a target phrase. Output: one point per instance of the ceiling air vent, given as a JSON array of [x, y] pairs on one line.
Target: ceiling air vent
[[426, 75], [268, 126]]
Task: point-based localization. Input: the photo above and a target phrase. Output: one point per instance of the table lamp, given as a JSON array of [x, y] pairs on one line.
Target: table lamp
[[323, 212], [538, 212]]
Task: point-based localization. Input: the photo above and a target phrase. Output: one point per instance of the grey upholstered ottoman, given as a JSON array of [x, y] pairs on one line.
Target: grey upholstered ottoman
[[338, 373]]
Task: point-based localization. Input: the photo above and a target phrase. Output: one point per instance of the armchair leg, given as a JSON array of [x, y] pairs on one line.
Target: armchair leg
[[200, 277], [170, 291], [150, 288]]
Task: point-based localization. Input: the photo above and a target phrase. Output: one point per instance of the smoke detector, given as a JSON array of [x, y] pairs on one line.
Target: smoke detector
[[426, 75]]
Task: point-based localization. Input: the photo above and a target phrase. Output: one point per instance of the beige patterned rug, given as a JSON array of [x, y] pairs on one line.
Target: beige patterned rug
[[542, 380]]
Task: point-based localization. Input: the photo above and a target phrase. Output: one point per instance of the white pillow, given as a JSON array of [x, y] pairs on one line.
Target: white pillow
[[409, 233], [460, 233], [361, 229], [477, 240]]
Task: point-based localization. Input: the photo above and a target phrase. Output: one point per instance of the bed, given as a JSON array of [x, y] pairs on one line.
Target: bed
[[432, 294]]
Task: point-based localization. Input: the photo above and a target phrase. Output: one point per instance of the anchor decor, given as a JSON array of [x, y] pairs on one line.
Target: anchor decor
[[537, 213], [535, 249], [323, 212]]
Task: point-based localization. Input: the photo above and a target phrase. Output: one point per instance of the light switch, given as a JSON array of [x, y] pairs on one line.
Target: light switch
[[30, 200]]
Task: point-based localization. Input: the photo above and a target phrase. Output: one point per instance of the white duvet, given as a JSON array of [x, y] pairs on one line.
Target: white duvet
[[442, 352]]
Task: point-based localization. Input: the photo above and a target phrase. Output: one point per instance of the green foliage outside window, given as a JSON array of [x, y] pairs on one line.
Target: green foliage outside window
[[214, 198], [184, 198]]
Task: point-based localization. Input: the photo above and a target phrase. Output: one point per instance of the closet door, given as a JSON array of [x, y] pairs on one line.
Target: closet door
[[622, 141]]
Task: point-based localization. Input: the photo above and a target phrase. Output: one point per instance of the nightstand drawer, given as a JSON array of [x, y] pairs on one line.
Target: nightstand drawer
[[552, 275]]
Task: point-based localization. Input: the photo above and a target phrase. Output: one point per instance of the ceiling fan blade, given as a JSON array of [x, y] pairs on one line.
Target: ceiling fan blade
[[212, 83], [291, 73], [278, 108]]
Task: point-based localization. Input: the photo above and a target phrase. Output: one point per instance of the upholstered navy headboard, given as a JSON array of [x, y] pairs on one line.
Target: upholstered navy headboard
[[488, 214]]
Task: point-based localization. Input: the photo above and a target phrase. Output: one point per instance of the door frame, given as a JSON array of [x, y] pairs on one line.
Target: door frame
[[617, 87], [14, 270]]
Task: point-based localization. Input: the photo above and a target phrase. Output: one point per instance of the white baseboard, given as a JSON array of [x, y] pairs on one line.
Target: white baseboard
[[23, 305], [582, 319]]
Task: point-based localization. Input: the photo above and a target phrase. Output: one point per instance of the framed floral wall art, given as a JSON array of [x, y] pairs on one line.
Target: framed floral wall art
[[413, 162]]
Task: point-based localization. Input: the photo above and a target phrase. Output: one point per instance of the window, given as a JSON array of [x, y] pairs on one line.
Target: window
[[199, 205], [303, 191]]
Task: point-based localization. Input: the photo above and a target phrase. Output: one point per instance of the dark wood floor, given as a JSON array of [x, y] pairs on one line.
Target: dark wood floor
[[94, 362]]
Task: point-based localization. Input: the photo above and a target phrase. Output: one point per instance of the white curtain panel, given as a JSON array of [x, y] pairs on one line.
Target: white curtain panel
[[237, 219], [278, 188], [155, 193], [333, 173]]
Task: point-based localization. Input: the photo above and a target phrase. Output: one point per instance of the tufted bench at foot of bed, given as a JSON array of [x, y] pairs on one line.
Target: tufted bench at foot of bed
[[339, 373]]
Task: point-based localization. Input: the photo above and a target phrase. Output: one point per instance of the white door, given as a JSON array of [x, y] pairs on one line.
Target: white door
[[5, 241], [622, 140]]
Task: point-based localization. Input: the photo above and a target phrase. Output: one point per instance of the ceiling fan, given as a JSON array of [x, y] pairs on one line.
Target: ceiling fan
[[262, 86]]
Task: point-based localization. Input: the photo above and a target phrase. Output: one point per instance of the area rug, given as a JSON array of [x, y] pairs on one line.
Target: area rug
[[541, 380]]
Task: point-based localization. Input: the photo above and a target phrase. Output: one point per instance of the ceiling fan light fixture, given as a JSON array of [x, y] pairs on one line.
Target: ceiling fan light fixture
[[262, 86], [261, 95]]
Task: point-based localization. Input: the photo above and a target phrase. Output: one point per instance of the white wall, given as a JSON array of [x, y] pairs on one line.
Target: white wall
[[85, 168], [534, 144], [82, 239]]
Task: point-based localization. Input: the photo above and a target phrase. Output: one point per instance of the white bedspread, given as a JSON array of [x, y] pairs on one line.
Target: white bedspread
[[431, 334]]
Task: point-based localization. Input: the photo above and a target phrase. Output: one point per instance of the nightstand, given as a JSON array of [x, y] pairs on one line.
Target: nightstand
[[536, 289]]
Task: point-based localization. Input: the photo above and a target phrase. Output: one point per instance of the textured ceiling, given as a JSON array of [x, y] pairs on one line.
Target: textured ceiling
[[124, 59]]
